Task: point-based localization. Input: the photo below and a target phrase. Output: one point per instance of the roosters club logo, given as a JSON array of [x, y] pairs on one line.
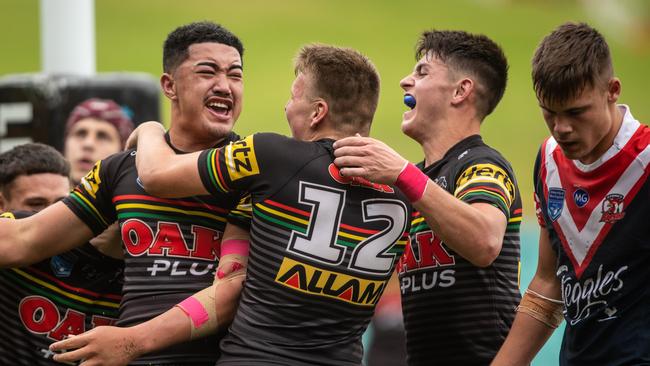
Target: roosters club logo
[[612, 208]]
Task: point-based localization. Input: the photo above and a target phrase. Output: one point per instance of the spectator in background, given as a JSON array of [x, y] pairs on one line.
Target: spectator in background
[[96, 129]]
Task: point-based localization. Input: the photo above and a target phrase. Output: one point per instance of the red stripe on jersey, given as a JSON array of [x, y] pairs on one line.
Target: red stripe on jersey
[[138, 197], [72, 288], [218, 166], [288, 208]]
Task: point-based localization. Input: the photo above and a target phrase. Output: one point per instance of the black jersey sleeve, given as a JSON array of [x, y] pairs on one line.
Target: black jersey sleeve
[[486, 178], [91, 199], [251, 164], [242, 214], [538, 191]]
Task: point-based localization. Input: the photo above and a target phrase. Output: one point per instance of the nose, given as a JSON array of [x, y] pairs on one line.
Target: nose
[[221, 85], [561, 126], [407, 82], [89, 140]]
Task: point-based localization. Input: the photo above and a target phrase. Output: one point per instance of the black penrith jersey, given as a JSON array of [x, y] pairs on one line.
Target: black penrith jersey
[[171, 246], [454, 312], [323, 247], [67, 294]]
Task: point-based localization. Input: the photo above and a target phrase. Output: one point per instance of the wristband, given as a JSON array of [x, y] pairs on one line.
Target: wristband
[[194, 310], [235, 246], [412, 182]]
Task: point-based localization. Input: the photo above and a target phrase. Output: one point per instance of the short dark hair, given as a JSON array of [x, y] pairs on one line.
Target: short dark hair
[[28, 159], [472, 53], [345, 79], [574, 56], [175, 48]]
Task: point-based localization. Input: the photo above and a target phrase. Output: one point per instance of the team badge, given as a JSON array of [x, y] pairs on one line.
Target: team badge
[[555, 203], [92, 180], [61, 266], [441, 181], [580, 197], [612, 208]]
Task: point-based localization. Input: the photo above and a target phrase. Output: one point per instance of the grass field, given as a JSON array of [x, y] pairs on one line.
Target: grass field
[[130, 36]]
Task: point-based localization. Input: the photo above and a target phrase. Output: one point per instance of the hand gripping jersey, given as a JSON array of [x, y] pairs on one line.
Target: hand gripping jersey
[[598, 217], [171, 246], [67, 294], [454, 312], [323, 247]]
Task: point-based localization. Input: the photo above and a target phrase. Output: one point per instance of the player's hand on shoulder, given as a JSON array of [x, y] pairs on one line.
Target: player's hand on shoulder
[[369, 158], [132, 141]]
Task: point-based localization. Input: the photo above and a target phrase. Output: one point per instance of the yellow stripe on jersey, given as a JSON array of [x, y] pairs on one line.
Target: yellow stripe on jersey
[[240, 159], [282, 214], [65, 293], [91, 206], [168, 209]]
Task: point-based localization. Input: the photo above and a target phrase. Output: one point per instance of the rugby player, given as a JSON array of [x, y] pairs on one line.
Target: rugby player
[[170, 246], [59, 296], [322, 246], [591, 190], [459, 277]]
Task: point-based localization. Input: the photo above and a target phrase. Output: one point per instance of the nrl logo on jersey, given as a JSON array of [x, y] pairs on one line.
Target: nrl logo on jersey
[[612, 209], [441, 181], [555, 203]]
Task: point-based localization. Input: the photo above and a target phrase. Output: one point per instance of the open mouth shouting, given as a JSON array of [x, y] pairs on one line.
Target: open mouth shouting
[[220, 108]]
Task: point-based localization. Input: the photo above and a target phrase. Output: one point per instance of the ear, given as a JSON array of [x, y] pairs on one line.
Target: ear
[[464, 89], [613, 90], [319, 111], [168, 86]]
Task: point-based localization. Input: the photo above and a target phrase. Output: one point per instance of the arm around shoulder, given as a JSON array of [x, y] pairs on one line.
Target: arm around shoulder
[[53, 230], [164, 173]]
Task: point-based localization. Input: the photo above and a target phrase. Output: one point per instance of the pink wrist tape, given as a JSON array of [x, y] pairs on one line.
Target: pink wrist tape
[[412, 182], [195, 310], [235, 246]]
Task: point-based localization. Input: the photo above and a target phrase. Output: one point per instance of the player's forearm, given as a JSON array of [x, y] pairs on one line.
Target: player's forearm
[[12, 247], [162, 172], [153, 157], [170, 328], [525, 339], [216, 308], [467, 230]]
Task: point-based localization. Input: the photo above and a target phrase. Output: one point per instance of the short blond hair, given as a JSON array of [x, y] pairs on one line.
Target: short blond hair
[[345, 79]]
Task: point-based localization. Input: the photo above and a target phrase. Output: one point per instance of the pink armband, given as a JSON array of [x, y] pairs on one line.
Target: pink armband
[[235, 246], [412, 182], [195, 310]]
